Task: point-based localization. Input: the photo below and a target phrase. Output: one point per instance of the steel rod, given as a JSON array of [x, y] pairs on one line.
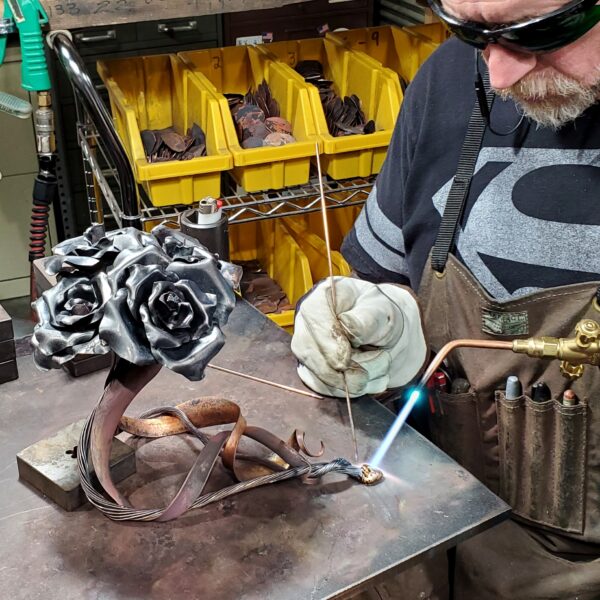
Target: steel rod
[[281, 386], [333, 296]]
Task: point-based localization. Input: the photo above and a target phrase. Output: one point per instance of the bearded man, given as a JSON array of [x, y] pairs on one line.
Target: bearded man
[[485, 223]]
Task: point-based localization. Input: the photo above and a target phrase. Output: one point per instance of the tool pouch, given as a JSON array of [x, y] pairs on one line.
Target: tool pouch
[[542, 451], [455, 428]]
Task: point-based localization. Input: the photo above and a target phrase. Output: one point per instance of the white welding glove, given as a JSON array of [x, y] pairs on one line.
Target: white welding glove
[[376, 341]]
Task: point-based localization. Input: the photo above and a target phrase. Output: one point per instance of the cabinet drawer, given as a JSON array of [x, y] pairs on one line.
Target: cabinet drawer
[[100, 40], [297, 21], [296, 29], [176, 31]]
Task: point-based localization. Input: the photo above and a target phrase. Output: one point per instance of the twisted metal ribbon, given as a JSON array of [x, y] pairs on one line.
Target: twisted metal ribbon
[[124, 383]]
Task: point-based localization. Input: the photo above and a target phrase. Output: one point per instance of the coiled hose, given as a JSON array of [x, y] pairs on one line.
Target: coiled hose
[[44, 193]]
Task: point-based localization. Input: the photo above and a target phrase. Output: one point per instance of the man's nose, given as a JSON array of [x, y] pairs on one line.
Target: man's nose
[[506, 66]]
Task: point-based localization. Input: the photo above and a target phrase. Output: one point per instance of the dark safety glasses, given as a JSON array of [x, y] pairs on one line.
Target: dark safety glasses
[[546, 33]]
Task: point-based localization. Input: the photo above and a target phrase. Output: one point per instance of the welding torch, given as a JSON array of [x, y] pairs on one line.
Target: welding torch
[[574, 352]]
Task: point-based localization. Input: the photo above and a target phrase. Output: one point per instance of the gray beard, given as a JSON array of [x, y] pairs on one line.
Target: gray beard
[[552, 101]]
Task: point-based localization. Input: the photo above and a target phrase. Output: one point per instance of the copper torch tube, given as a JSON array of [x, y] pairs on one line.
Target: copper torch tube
[[450, 346]]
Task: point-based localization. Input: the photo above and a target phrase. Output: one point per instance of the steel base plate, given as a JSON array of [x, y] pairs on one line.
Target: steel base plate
[[51, 468]]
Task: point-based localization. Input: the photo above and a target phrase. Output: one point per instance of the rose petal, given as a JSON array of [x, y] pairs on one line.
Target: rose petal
[[129, 238], [179, 245], [95, 292], [54, 361], [157, 337], [149, 255], [140, 284], [51, 341], [203, 307], [124, 334], [170, 317], [207, 276], [56, 296], [181, 316], [191, 359]]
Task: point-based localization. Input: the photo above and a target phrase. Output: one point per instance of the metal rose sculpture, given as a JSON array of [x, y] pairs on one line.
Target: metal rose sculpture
[[69, 317], [155, 299]]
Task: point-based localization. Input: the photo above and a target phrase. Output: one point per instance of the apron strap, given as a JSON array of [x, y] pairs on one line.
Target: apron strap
[[457, 198]]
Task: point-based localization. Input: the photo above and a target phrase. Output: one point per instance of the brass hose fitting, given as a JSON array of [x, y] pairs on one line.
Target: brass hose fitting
[[574, 353]]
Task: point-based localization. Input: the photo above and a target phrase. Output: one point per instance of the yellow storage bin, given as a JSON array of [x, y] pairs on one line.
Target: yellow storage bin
[[154, 92], [402, 50], [237, 69], [278, 253], [340, 222], [354, 155], [315, 249]]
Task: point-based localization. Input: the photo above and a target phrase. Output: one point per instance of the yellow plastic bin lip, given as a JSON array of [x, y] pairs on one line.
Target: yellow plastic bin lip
[[350, 143], [254, 156], [194, 166]]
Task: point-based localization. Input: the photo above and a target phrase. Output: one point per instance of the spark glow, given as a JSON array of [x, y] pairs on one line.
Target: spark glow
[[395, 428]]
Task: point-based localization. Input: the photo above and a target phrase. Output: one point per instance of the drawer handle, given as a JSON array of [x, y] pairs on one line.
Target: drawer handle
[[111, 34], [189, 26]]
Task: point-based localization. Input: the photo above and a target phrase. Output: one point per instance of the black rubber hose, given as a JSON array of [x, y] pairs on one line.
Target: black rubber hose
[[44, 193]]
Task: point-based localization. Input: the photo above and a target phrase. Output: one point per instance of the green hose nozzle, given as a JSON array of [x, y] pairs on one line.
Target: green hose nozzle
[[28, 16]]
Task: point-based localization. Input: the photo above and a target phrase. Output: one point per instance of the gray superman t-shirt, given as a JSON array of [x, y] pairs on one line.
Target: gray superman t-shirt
[[532, 218]]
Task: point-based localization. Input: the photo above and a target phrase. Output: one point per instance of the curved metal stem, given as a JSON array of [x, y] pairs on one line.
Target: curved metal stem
[[77, 73]]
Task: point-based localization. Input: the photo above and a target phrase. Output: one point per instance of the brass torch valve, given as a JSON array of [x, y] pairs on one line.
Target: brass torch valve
[[574, 353]]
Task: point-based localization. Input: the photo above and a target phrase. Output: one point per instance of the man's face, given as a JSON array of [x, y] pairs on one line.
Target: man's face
[[552, 89]]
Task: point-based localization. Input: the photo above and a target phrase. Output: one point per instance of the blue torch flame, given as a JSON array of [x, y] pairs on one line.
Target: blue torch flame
[[395, 428]]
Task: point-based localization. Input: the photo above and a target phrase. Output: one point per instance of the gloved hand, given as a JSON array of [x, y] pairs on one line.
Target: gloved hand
[[376, 340]]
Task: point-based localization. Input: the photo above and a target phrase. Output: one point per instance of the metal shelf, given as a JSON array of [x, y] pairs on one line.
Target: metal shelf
[[244, 208], [239, 206]]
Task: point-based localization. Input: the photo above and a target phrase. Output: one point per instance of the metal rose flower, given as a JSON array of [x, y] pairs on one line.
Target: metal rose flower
[[167, 310], [182, 247], [69, 318], [95, 250]]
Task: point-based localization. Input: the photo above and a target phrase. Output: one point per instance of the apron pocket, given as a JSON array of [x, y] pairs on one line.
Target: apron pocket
[[455, 429], [543, 448]]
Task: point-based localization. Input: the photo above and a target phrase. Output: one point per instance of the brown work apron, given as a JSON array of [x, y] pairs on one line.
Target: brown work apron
[[542, 458]]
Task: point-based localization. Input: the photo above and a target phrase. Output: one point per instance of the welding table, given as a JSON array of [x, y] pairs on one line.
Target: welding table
[[287, 541]]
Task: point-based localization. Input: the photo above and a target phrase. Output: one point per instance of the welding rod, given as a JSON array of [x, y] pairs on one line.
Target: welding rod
[[333, 297], [287, 388]]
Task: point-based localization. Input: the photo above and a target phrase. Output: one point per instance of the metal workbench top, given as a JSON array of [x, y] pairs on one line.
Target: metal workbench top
[[94, 13], [284, 541]]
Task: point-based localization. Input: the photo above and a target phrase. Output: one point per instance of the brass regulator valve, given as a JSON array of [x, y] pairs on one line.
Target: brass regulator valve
[[574, 353]]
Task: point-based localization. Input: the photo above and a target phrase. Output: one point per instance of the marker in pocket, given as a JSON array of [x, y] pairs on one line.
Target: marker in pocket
[[570, 398], [440, 381], [460, 386], [540, 392], [514, 389]]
